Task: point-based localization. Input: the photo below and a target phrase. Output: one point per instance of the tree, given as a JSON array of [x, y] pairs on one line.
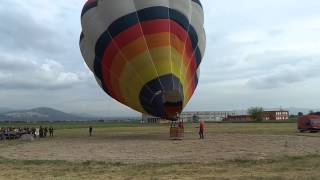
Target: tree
[[195, 118], [311, 112], [300, 114], [256, 113], [317, 113]]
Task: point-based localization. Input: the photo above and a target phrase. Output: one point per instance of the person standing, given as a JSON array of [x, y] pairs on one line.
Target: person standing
[[90, 130], [33, 132], [45, 131], [51, 131], [37, 132], [41, 132], [201, 129]]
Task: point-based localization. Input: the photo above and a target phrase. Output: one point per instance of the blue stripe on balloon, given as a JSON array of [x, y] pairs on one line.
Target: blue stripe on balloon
[[152, 101]]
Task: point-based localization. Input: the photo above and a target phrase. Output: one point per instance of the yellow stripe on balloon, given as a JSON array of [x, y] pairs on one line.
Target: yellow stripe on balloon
[[145, 71], [164, 68], [166, 55], [159, 55]]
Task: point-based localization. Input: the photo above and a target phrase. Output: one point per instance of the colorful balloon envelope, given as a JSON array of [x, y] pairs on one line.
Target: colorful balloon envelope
[[145, 53]]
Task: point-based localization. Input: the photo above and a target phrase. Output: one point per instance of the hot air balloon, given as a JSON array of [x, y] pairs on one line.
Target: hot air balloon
[[145, 53]]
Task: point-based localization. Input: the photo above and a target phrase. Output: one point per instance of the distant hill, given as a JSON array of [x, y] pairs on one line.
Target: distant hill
[[295, 111], [39, 114], [5, 109]]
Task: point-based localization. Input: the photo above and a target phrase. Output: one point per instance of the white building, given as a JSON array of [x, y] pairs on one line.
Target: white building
[[209, 116], [152, 120]]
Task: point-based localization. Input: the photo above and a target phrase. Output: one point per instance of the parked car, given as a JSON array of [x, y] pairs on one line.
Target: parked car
[[309, 123]]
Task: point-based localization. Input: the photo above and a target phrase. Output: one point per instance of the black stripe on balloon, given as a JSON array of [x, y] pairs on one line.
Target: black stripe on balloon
[[100, 47], [198, 56], [151, 94], [104, 39], [148, 14], [105, 89], [196, 79], [162, 13], [198, 2], [88, 6], [81, 36], [98, 73]]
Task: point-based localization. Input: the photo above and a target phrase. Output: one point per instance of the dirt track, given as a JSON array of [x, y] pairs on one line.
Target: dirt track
[[157, 148]]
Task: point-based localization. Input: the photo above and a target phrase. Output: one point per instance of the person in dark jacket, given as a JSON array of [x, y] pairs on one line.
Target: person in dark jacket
[[45, 131], [51, 131], [33, 132], [90, 130], [41, 132]]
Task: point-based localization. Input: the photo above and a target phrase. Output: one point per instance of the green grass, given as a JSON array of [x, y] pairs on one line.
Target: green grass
[[135, 129], [287, 167], [303, 167], [251, 128]]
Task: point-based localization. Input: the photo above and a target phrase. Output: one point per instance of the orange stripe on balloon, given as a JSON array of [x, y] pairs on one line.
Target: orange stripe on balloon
[[153, 41], [148, 27]]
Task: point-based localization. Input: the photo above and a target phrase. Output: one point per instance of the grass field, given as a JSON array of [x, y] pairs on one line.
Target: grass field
[[135, 151], [305, 167]]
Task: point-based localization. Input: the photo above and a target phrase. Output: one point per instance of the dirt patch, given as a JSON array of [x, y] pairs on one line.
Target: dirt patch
[[157, 148]]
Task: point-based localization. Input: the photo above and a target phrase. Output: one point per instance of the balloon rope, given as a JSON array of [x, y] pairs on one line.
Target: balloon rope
[[155, 69], [184, 49]]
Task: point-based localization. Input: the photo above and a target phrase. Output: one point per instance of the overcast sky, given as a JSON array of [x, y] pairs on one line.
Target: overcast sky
[[259, 53]]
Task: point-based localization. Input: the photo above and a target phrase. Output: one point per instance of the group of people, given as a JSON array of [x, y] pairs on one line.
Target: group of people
[[44, 131], [16, 133]]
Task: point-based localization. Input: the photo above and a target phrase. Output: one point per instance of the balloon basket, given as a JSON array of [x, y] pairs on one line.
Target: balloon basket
[[176, 131]]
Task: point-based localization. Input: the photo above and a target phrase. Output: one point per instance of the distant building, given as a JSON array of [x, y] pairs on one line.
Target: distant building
[[238, 118], [190, 116], [276, 115], [217, 116], [209, 116], [152, 120], [267, 116]]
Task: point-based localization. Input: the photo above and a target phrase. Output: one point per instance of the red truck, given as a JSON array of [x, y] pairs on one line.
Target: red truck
[[309, 123]]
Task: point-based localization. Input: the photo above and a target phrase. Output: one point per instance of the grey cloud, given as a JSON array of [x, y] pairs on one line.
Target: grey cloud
[[31, 30], [24, 75], [304, 70], [260, 70], [20, 32], [8, 64]]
